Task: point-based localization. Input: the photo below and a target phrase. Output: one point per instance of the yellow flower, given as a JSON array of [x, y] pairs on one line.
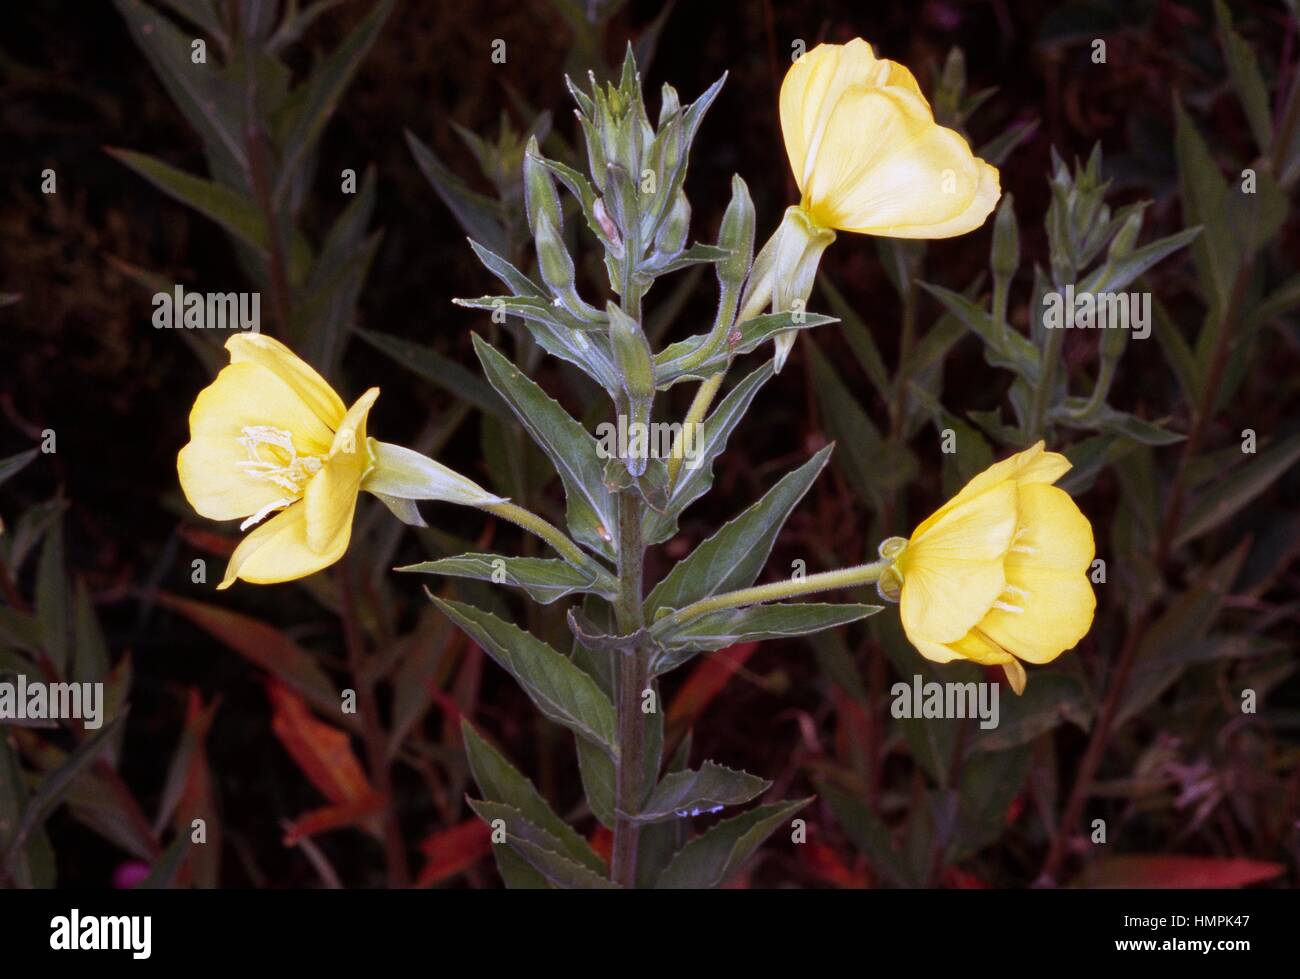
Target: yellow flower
[[869, 157], [269, 435], [999, 573]]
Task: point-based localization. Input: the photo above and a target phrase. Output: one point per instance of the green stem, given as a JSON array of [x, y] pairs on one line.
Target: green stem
[[861, 574], [1043, 392], [548, 532], [633, 677], [704, 395]]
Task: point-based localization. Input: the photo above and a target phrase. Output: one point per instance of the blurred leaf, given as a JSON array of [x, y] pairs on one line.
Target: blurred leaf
[[14, 464], [163, 874], [870, 836], [1203, 192], [560, 690], [997, 149], [479, 217], [1115, 274], [1005, 348], [208, 103], [321, 751], [706, 681], [313, 102], [1165, 871], [989, 782], [452, 851], [440, 370], [1229, 494], [860, 340], [592, 515], [1246, 77], [1173, 638], [710, 859], [52, 789], [501, 782], [690, 793], [733, 557], [52, 605], [266, 648]]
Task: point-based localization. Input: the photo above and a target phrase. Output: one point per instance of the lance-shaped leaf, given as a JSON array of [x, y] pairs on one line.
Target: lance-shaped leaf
[[501, 782], [570, 447], [1228, 495], [1007, 348], [540, 849], [311, 104], [586, 351], [560, 690], [697, 254], [869, 835], [683, 359], [544, 579], [479, 217], [733, 557], [718, 630], [693, 793], [709, 860], [442, 371], [706, 444], [15, 464], [1116, 273], [535, 309], [201, 92]]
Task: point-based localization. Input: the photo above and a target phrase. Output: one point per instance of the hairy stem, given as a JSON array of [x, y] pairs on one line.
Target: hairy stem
[[548, 532]]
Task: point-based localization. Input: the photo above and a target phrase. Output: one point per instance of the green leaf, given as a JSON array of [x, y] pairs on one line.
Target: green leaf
[[1168, 643], [479, 217], [560, 690], [710, 859], [1246, 78], [781, 620], [1051, 697], [1005, 348], [696, 474], [866, 459], [733, 557], [52, 605], [52, 788], [592, 514], [1230, 493], [1203, 192], [311, 104], [860, 340], [676, 362], [208, 103], [162, 875], [560, 870], [501, 782], [989, 783], [228, 208], [442, 371], [1115, 274], [544, 579], [692, 793], [869, 835]]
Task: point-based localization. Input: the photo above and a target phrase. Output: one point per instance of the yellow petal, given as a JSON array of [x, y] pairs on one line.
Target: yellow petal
[[278, 551], [952, 573], [1030, 466], [1015, 675], [292, 370], [883, 166], [242, 395], [331, 496], [1049, 602]]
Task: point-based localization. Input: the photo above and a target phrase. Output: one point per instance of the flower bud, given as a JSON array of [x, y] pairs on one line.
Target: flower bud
[[539, 189], [737, 234], [636, 369], [671, 238], [1006, 240]]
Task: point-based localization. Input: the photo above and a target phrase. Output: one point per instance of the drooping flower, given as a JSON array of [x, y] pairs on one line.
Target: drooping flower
[[869, 158], [270, 436], [998, 574]]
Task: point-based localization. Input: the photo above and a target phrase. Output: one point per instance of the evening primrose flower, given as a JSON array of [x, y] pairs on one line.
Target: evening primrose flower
[[869, 158], [998, 575], [270, 436]]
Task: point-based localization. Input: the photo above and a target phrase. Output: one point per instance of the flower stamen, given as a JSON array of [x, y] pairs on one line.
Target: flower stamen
[[288, 473]]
